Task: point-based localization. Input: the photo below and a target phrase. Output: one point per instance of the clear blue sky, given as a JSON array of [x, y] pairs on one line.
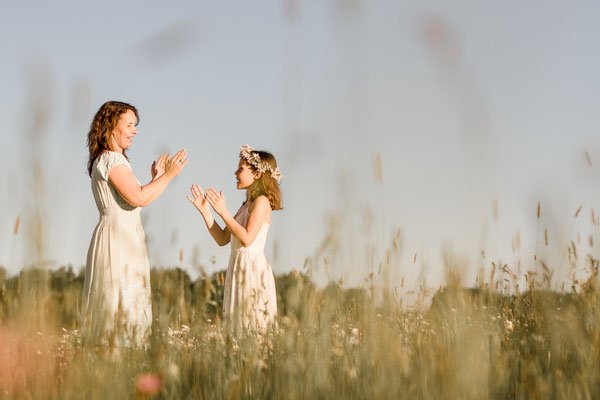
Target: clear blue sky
[[468, 105]]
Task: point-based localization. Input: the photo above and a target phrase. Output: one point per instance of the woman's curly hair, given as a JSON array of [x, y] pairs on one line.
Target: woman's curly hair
[[103, 124]]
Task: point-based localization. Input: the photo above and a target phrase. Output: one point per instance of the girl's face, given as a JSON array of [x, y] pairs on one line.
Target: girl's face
[[244, 175], [123, 134]]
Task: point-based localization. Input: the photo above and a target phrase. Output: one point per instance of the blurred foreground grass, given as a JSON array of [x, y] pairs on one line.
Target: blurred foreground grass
[[330, 343]]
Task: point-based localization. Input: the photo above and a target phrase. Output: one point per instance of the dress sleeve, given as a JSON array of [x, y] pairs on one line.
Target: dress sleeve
[[108, 161]]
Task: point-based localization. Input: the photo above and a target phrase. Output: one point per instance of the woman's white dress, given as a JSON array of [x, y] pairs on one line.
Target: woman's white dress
[[250, 300], [116, 289]]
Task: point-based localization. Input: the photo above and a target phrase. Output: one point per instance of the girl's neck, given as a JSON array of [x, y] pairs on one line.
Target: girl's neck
[[248, 200]]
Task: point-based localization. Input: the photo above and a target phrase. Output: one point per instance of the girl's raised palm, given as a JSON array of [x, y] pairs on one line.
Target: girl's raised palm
[[216, 200], [198, 199]]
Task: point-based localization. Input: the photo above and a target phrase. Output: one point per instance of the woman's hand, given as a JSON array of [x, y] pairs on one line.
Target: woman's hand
[[158, 166], [216, 201], [198, 199], [174, 165]]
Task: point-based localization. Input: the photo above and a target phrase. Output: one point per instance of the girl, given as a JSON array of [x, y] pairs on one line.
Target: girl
[[250, 302]]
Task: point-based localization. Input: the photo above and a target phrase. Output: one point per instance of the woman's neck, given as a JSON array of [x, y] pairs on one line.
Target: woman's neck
[[112, 146]]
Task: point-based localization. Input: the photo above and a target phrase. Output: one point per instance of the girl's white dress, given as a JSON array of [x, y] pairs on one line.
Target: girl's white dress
[[250, 301], [116, 289]]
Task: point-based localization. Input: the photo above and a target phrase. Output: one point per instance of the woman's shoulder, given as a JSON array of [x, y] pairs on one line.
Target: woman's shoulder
[[109, 155], [108, 160]]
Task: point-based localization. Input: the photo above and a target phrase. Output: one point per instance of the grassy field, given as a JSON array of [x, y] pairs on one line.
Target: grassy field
[[330, 343]]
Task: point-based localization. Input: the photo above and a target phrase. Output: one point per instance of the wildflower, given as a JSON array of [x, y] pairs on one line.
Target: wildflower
[[352, 373], [354, 337], [174, 371], [286, 321], [261, 365], [149, 384]]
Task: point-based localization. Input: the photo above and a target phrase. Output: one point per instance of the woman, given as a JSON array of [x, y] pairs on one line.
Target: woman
[[116, 289]]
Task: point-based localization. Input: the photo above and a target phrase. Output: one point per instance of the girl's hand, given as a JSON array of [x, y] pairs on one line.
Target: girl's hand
[[198, 199], [158, 166], [216, 201], [174, 165]]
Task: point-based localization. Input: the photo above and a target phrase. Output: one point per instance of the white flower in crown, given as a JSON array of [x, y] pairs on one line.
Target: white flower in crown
[[276, 174], [250, 155]]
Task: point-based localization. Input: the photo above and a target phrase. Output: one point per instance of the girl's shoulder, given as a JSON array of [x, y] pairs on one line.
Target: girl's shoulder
[[262, 206], [260, 203]]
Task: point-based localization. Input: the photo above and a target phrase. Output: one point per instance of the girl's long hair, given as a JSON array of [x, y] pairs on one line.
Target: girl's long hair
[[103, 124], [265, 184]]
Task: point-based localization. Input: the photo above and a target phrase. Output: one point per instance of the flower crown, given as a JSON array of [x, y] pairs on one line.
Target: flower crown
[[250, 155]]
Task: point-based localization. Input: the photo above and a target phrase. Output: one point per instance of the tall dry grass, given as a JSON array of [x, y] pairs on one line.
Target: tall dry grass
[[330, 343]]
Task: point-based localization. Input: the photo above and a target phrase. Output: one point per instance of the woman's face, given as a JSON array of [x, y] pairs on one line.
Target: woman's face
[[244, 175], [123, 134]]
